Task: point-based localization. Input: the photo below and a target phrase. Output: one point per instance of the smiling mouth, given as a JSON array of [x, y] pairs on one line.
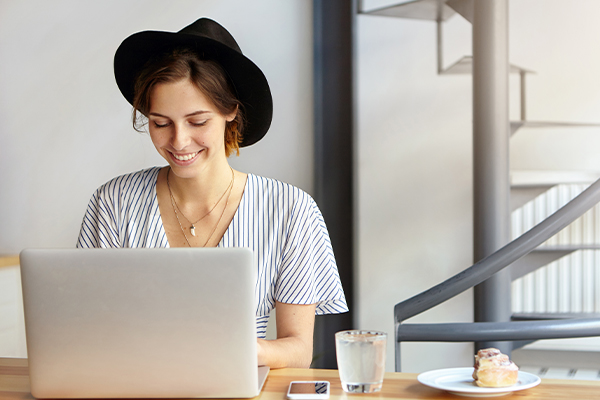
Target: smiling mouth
[[185, 157]]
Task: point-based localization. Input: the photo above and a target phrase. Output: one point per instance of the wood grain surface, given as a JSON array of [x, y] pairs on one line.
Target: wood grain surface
[[14, 385]]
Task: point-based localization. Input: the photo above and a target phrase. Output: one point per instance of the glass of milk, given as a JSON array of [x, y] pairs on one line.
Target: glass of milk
[[361, 360]]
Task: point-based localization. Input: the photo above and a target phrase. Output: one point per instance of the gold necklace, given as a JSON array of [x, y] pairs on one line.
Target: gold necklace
[[192, 228]]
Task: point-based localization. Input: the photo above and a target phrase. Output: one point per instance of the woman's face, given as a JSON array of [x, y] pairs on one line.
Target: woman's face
[[186, 128]]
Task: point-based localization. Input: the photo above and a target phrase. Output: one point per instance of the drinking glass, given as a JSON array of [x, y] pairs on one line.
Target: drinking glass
[[361, 360]]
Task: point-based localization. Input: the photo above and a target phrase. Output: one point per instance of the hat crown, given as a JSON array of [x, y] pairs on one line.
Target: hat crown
[[208, 28]]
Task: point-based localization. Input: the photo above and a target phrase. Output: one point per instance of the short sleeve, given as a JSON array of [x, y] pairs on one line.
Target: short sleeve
[[309, 273], [99, 228]]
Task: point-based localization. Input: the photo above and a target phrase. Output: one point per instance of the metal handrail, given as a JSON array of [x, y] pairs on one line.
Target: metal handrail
[[487, 267], [499, 331]]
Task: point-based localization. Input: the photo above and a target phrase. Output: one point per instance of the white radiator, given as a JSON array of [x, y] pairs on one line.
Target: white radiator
[[571, 284]]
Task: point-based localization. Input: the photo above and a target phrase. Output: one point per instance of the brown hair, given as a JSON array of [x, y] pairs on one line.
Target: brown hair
[[206, 75]]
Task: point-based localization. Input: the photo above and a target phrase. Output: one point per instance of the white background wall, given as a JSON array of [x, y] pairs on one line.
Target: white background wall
[[414, 158]]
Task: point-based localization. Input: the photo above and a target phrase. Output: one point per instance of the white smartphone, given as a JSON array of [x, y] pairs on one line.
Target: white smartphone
[[299, 390]]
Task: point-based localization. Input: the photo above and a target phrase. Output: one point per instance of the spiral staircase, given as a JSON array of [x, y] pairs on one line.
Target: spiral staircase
[[538, 253]]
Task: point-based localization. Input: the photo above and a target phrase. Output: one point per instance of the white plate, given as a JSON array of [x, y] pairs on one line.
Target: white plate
[[460, 381]]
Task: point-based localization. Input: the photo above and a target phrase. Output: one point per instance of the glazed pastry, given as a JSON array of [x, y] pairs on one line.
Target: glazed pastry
[[494, 369]]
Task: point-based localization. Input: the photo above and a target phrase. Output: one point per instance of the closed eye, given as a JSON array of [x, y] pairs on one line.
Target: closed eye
[[201, 123], [158, 125]]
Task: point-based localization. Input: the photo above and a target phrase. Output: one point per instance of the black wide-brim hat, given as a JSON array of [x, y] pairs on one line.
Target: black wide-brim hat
[[210, 41]]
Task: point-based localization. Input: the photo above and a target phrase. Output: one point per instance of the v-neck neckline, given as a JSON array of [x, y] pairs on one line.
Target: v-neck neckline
[[162, 230]]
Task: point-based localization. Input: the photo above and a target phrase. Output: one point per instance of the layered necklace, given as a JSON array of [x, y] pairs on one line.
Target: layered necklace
[[192, 228]]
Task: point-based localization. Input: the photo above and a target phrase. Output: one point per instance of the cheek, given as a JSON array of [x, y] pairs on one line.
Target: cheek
[[157, 139], [156, 133]]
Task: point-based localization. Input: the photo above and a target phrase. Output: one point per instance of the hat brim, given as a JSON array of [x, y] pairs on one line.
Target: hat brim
[[250, 84]]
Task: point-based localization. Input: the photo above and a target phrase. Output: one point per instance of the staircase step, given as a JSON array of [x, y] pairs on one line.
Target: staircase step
[[516, 125], [521, 195], [557, 359], [415, 9], [535, 178], [587, 375], [546, 316], [578, 353], [465, 66], [527, 185], [434, 10], [543, 256], [463, 7], [580, 374]]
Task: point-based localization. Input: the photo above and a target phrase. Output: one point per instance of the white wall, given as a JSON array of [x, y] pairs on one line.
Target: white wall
[[414, 152], [65, 127]]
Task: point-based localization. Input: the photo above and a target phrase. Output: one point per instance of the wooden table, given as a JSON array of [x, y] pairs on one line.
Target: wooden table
[[14, 385]]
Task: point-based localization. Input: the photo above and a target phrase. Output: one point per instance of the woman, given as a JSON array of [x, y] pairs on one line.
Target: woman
[[202, 99]]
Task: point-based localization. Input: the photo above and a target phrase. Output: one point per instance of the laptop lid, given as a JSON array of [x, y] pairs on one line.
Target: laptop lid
[[132, 323]]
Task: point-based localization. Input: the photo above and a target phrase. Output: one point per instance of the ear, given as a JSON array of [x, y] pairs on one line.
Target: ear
[[231, 117]]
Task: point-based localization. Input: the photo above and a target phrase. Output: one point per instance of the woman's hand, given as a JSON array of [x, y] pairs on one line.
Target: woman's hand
[[294, 344]]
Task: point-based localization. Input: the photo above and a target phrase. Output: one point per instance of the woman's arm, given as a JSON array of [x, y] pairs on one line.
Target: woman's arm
[[294, 344]]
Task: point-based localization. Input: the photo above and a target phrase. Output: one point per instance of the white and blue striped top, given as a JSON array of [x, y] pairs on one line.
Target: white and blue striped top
[[279, 222]]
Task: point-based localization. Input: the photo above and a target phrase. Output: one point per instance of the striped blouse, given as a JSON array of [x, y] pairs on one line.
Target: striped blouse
[[279, 222]]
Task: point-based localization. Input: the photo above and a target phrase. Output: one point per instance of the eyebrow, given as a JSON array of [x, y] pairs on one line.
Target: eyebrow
[[186, 116]]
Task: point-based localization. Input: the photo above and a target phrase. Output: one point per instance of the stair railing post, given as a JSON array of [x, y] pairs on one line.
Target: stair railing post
[[491, 183], [440, 45], [522, 75]]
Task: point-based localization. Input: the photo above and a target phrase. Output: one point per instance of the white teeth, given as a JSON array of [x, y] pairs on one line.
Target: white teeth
[[186, 157]]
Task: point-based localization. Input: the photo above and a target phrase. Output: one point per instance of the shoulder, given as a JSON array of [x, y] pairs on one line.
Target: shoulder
[[275, 196], [276, 190], [133, 182], [281, 201]]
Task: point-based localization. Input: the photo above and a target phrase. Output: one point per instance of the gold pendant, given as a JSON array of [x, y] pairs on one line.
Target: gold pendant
[[193, 230]]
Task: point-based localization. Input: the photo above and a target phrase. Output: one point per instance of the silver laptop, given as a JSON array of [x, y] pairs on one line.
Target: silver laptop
[[133, 323]]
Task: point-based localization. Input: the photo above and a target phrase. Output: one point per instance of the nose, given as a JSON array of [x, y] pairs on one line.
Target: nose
[[180, 138]]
